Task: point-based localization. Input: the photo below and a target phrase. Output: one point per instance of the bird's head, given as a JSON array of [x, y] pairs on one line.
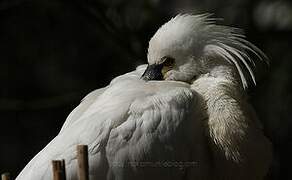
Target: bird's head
[[188, 46]]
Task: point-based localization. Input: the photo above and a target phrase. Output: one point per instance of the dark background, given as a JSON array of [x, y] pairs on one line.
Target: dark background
[[54, 52]]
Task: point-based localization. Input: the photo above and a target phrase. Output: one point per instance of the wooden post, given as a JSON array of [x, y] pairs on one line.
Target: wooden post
[[5, 176], [59, 170], [63, 166], [82, 157]]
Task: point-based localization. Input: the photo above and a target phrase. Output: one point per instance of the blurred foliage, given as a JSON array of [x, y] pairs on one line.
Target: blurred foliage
[[53, 52]]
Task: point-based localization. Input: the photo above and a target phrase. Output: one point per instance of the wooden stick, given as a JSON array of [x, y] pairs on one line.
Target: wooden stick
[[63, 166], [5, 176], [59, 170], [82, 157]]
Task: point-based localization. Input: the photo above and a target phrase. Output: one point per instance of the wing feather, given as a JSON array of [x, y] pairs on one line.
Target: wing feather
[[88, 100], [128, 121]]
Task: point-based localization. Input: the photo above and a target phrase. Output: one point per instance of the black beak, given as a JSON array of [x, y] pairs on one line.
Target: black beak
[[153, 72]]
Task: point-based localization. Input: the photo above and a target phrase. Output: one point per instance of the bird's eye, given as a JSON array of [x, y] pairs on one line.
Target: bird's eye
[[168, 61], [167, 64]]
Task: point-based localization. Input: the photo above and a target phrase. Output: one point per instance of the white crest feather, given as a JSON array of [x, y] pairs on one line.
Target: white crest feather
[[208, 39]]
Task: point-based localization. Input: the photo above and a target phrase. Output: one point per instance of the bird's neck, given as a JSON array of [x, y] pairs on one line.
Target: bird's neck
[[227, 74], [221, 70], [216, 77], [232, 129], [226, 124]]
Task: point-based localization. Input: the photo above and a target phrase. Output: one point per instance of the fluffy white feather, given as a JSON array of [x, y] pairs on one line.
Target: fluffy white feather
[[197, 40], [131, 121], [196, 124]]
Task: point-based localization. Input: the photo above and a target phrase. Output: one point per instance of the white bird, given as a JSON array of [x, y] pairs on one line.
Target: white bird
[[186, 118]]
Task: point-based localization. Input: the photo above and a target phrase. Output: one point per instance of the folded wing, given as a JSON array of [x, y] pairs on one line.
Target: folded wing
[[134, 129]]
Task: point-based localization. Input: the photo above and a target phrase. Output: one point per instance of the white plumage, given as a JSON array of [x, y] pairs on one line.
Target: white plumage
[[193, 124]]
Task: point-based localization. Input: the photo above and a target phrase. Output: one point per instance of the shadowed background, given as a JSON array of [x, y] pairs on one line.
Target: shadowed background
[[54, 52]]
